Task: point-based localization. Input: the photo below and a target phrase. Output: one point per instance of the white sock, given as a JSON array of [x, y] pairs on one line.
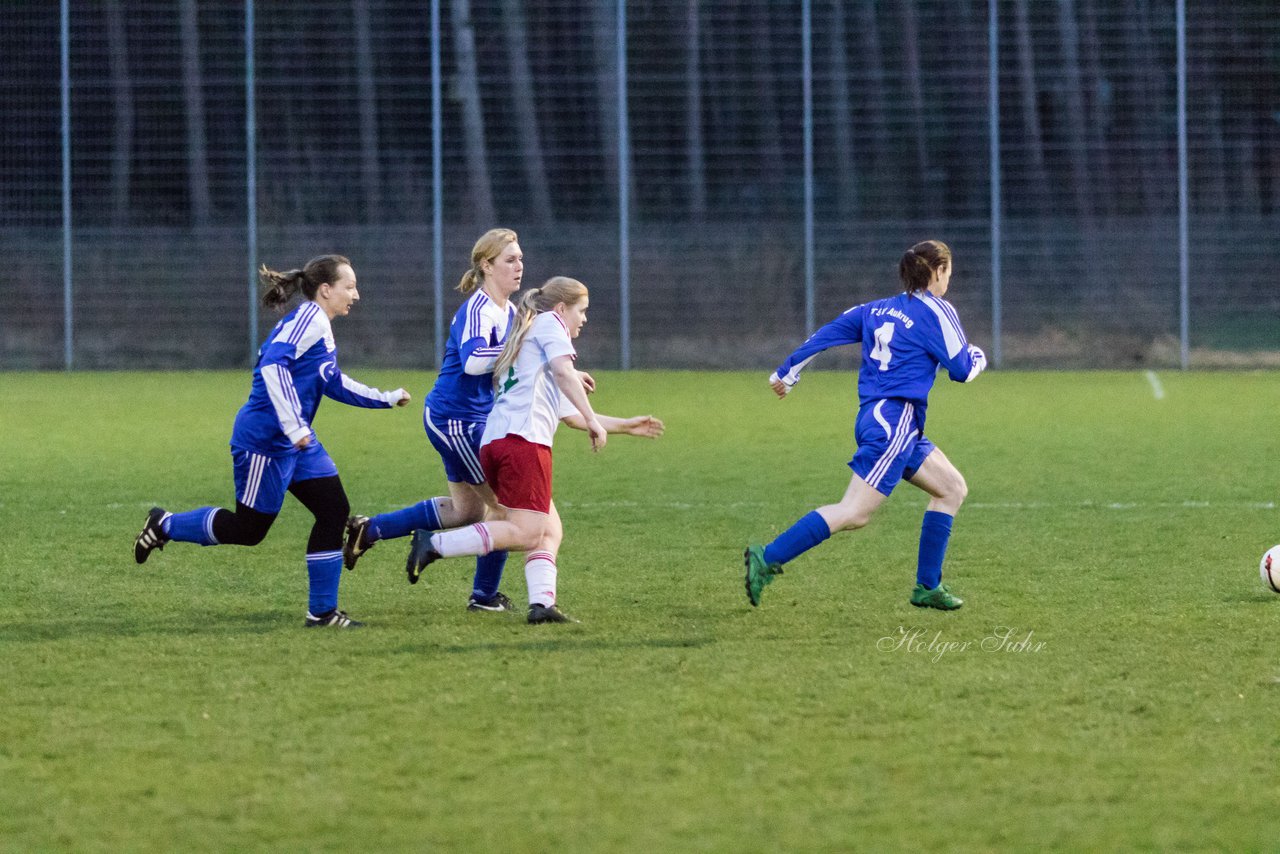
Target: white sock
[[540, 575], [471, 540]]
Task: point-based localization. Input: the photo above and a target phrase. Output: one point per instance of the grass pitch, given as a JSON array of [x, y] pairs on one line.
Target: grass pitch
[[1110, 684]]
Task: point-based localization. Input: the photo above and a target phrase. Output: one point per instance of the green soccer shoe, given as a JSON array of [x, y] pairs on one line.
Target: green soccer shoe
[[759, 573], [939, 597]]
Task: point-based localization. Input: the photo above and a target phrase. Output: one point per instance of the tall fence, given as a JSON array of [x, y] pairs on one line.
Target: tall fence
[[1107, 174]]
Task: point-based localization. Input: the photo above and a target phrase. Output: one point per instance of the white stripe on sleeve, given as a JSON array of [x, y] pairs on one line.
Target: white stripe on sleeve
[[359, 389], [284, 399], [951, 333]]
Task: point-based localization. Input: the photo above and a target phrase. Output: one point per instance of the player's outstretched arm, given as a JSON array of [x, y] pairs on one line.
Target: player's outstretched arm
[[645, 426]]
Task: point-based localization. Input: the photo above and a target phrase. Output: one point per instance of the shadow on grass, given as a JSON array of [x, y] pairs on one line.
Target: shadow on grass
[[123, 626], [554, 645], [1262, 598]]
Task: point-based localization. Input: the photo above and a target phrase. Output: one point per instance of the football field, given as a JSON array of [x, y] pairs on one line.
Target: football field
[[1112, 682]]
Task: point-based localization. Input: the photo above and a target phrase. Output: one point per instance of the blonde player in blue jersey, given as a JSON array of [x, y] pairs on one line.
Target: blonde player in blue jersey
[[537, 388], [905, 339], [274, 449], [455, 413]]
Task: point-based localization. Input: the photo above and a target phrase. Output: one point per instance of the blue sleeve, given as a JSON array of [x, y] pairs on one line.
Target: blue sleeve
[[344, 389], [845, 329], [948, 345]]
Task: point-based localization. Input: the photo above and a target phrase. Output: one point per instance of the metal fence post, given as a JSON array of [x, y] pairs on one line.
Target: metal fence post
[[624, 194], [64, 38], [437, 189], [1184, 261], [993, 109], [806, 31], [251, 175]]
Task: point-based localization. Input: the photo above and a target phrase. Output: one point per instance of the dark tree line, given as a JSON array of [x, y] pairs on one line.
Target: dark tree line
[[1087, 109]]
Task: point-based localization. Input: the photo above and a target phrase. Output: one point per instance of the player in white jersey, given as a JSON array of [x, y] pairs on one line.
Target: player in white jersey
[[273, 447], [905, 340], [536, 389], [454, 416]]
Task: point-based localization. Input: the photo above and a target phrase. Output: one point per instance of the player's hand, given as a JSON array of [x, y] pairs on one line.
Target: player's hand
[[979, 363], [302, 443], [405, 397], [644, 425], [780, 388], [588, 381], [598, 434]]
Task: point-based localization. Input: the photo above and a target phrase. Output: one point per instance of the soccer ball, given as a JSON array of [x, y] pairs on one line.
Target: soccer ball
[[1270, 569]]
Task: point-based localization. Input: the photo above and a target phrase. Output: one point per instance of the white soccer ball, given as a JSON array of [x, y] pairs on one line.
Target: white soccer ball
[[1270, 569]]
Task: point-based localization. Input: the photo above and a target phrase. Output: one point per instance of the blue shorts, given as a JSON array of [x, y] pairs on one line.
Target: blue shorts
[[262, 480], [891, 445], [458, 443]]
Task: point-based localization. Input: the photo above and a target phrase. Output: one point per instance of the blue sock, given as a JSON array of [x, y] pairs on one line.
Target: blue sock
[[488, 574], [806, 533], [193, 526], [324, 569], [402, 523], [935, 531]]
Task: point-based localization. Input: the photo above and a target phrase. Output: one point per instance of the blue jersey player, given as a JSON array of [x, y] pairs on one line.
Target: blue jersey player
[[274, 449], [905, 340], [454, 417]]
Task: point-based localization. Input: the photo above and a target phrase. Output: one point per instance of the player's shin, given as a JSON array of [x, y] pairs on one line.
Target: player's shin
[[401, 523], [488, 574], [324, 571], [808, 531], [935, 533], [540, 575], [193, 526]]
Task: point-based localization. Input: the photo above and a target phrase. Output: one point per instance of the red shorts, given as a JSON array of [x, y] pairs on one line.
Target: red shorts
[[519, 472]]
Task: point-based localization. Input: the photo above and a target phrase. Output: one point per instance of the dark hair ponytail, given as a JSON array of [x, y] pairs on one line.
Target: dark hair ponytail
[[280, 287], [920, 262]]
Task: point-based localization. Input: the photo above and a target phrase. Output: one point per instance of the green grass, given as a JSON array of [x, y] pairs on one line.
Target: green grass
[[180, 705]]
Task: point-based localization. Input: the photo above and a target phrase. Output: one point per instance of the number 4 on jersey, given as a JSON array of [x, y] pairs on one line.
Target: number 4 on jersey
[[880, 352]]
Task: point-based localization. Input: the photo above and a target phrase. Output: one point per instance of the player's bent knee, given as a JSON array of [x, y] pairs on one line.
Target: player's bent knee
[[253, 537], [549, 542], [242, 532], [847, 519], [528, 538]]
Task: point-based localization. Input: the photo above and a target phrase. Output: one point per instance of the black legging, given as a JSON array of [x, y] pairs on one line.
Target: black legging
[[323, 496]]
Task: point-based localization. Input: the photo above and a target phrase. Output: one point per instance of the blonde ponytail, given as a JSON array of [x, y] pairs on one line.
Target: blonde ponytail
[[470, 281], [526, 311], [556, 290]]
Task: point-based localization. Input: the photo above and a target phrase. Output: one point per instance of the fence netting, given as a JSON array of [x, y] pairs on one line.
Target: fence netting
[[712, 151]]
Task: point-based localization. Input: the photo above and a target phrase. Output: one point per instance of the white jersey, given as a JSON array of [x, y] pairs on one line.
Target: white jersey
[[528, 402]]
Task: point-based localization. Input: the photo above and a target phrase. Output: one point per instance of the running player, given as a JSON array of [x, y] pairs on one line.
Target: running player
[[455, 413], [274, 449], [904, 340], [537, 387]]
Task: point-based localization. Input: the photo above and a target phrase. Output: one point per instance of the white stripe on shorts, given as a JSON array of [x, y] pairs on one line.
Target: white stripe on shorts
[[252, 483], [458, 430], [898, 437]]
